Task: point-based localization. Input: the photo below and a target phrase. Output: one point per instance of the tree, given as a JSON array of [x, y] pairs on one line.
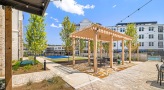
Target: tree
[[91, 46], [132, 32], [106, 47], [82, 44], [36, 35], [67, 29]]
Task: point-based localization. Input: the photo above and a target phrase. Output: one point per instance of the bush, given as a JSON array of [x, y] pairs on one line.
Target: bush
[[16, 66], [21, 59], [26, 68]]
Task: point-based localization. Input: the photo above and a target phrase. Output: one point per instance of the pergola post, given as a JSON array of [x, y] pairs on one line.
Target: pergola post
[[123, 52], [129, 51], [8, 48], [111, 51], [95, 51], [89, 52], [73, 51], [100, 49]]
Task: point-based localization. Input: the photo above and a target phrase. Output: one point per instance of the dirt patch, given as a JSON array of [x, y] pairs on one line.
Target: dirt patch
[[56, 83], [29, 69], [102, 71]]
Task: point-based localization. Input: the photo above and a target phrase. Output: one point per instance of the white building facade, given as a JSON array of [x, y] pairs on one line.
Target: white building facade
[[150, 35], [55, 50], [17, 37]]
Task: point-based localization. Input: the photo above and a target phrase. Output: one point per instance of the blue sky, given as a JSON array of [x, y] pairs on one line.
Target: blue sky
[[106, 12]]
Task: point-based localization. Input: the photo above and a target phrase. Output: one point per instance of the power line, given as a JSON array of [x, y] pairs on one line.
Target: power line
[[136, 10]]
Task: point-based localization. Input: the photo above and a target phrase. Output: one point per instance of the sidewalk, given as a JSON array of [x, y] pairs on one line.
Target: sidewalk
[[73, 77]]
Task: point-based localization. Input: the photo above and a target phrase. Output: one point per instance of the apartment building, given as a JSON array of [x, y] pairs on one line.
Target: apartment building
[[54, 50], [150, 35], [17, 36]]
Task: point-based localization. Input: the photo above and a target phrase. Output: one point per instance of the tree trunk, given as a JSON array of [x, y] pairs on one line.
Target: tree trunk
[[34, 58]]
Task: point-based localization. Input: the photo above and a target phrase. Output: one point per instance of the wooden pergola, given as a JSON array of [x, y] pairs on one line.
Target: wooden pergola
[[96, 33]]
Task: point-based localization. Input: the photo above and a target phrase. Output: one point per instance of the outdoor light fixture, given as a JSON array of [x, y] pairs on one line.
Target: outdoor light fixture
[[26, 6], [43, 4]]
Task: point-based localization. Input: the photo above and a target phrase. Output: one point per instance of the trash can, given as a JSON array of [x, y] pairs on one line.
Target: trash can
[[118, 62]]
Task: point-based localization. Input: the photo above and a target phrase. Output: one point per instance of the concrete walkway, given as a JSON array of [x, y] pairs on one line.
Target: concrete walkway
[[140, 77], [73, 77]]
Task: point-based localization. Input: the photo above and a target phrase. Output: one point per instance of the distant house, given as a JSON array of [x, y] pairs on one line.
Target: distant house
[[54, 50]]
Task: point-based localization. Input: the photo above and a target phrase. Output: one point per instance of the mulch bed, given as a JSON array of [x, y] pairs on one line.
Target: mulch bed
[[33, 68]]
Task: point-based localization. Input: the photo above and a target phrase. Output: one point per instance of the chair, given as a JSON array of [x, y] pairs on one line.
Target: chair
[[158, 68]]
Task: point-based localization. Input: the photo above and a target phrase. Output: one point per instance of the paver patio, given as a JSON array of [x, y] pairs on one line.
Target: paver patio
[[139, 77]]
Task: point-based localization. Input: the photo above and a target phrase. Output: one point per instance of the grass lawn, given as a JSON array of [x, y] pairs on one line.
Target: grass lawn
[[55, 83], [66, 59]]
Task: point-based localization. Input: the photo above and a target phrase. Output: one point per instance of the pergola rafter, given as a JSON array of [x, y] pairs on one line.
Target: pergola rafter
[[96, 33]]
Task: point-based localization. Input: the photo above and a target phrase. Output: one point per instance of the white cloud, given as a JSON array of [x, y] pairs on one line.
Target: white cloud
[[55, 26], [72, 6], [45, 14], [114, 6], [56, 20]]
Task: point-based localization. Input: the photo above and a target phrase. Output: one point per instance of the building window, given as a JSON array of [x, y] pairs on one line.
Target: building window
[[141, 43], [120, 29], [121, 44], [141, 36], [160, 36], [151, 28], [123, 30], [160, 44], [160, 28], [114, 44], [151, 36], [151, 43], [141, 28]]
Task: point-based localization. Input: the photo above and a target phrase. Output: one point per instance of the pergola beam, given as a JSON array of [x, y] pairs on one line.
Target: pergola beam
[[130, 52], [123, 52], [111, 51], [95, 52], [89, 52], [8, 48], [73, 47]]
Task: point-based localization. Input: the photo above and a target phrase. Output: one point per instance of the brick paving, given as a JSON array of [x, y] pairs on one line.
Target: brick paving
[[139, 77]]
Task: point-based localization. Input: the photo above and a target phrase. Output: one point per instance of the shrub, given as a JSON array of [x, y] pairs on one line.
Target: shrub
[[16, 66], [21, 59], [26, 68]]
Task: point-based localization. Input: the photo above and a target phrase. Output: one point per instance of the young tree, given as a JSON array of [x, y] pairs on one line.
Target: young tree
[[36, 35], [106, 47], [67, 29], [82, 45], [132, 32]]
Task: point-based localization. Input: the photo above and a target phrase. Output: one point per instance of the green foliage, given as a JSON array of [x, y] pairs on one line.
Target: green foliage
[[106, 47], [20, 59], [82, 45], [91, 46], [27, 67], [36, 35], [132, 32], [67, 29], [16, 66]]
